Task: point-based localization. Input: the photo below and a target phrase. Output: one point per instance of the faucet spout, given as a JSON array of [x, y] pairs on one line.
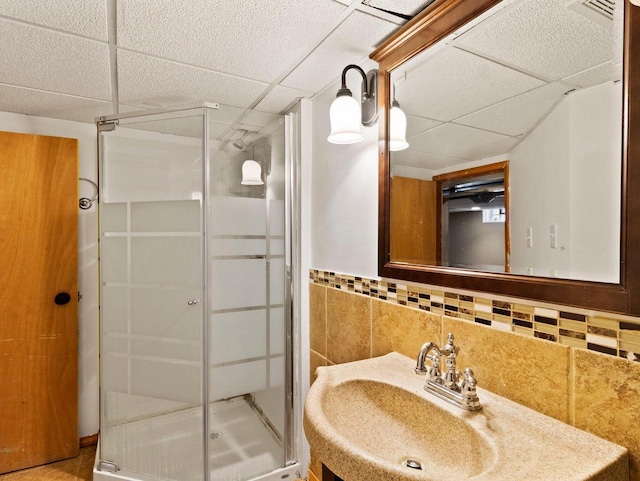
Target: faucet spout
[[450, 386], [423, 355]]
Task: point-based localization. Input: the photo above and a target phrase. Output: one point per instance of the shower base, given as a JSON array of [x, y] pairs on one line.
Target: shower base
[[169, 446]]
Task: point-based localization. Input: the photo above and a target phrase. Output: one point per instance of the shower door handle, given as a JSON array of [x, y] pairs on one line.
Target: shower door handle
[[192, 302]]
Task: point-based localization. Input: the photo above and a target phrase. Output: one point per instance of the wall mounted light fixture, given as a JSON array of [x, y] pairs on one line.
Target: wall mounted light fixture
[[397, 128], [345, 113], [251, 173], [252, 169]]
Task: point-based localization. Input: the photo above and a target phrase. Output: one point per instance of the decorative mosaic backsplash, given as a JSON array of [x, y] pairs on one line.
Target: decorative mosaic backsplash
[[597, 331]]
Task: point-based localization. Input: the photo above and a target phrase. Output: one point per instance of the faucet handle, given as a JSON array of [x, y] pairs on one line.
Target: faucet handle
[[468, 390], [450, 347]]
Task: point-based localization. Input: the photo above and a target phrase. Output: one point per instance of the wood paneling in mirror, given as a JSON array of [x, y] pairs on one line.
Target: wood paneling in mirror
[[413, 230], [436, 22]]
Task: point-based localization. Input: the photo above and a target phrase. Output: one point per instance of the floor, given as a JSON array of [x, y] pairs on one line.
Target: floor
[[75, 469], [170, 446]]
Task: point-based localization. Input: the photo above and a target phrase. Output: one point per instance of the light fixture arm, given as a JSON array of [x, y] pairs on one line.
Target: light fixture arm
[[343, 89], [369, 94]]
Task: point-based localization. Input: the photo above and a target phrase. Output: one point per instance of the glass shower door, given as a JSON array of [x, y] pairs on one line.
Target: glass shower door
[[248, 315], [152, 296]]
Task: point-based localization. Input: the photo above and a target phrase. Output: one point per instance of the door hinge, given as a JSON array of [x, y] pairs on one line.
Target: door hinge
[[79, 296]]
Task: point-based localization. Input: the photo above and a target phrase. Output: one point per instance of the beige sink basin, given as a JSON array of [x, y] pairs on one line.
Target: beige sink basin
[[366, 419]]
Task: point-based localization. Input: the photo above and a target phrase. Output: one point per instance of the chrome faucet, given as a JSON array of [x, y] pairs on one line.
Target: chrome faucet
[[451, 386]]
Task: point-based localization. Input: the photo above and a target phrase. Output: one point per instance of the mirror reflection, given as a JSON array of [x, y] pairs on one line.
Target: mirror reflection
[[534, 86]]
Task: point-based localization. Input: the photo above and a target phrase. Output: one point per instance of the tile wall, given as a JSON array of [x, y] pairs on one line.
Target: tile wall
[[575, 365]]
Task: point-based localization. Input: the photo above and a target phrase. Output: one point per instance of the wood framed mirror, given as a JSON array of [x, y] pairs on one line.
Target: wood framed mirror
[[445, 20]]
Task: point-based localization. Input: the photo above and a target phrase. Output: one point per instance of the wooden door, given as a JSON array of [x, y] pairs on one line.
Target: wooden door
[[38, 322], [413, 221]]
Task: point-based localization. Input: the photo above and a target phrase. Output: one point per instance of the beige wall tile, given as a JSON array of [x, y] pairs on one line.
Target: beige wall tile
[[529, 371], [318, 318], [315, 361], [348, 326], [402, 329], [607, 400]]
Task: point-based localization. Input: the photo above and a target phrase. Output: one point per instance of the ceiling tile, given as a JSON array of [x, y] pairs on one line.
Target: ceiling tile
[[82, 17], [449, 85], [483, 151], [42, 59], [354, 39], [47, 104], [413, 158], [258, 119], [280, 98], [517, 115], [405, 7], [417, 125], [248, 38], [543, 37], [154, 83], [184, 127], [453, 140], [597, 75]]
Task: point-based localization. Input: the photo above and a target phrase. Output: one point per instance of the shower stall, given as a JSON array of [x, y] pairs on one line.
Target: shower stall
[[197, 306]]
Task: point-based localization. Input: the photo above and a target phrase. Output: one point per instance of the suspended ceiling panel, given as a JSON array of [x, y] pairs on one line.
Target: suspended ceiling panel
[[447, 86], [150, 82], [280, 98], [353, 40], [483, 151], [542, 37], [452, 140], [245, 37], [82, 17], [404, 7], [596, 75], [256, 118], [517, 115], [47, 104], [43, 59], [412, 158], [184, 127], [416, 125]]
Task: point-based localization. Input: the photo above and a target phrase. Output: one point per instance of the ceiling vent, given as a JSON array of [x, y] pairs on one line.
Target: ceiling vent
[[598, 11]]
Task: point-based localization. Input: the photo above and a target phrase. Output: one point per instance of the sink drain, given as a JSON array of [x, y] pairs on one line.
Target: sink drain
[[413, 464]]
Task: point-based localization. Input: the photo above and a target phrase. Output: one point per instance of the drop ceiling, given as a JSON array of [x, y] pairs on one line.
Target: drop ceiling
[[79, 59], [479, 92]]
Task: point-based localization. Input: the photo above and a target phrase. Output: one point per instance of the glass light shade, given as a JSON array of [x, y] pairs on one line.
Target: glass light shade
[[251, 173], [346, 117], [397, 128]]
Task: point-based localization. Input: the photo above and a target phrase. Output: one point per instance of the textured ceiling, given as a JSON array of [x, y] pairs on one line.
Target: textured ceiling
[[78, 59], [488, 85]]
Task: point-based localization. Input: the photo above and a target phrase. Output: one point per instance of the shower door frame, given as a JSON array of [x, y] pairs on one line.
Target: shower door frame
[[293, 435]]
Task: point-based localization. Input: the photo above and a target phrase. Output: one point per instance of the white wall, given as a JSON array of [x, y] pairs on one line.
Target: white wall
[[567, 172], [474, 244], [344, 229], [88, 381]]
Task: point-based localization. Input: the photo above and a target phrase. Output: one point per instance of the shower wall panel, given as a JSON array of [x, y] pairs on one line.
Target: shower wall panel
[[247, 295], [151, 228]]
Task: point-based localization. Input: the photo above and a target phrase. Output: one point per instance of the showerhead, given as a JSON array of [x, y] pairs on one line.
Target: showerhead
[[239, 143]]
